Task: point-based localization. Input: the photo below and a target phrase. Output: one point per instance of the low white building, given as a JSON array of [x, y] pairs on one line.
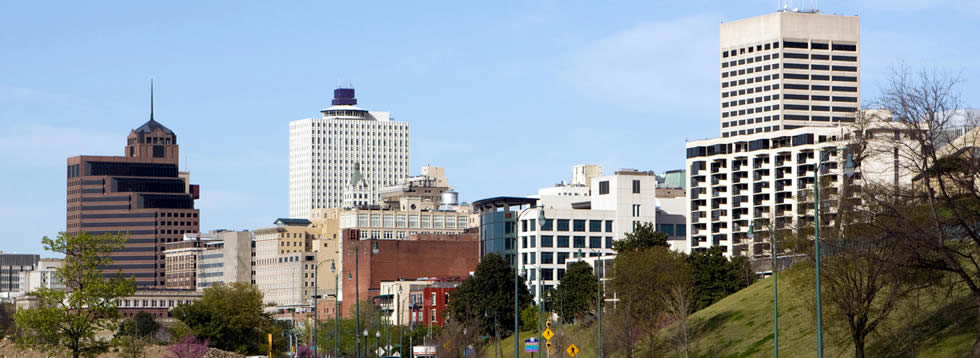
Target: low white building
[[574, 218], [44, 276]]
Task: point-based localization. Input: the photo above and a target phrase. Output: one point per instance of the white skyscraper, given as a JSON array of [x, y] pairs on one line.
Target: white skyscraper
[[325, 152], [787, 70]]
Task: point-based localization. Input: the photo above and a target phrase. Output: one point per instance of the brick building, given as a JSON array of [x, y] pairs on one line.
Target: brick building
[[434, 299], [417, 256], [141, 193]]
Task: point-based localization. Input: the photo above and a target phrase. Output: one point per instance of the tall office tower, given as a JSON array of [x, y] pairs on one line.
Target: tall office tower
[[326, 152], [788, 69], [141, 193]]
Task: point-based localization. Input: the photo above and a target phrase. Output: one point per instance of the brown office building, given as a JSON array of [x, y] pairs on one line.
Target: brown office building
[[141, 193]]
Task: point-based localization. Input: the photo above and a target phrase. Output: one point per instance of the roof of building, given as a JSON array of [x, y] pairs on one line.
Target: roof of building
[[151, 126], [510, 200], [292, 222]]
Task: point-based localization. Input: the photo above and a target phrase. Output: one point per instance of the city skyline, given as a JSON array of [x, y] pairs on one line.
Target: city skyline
[[235, 132]]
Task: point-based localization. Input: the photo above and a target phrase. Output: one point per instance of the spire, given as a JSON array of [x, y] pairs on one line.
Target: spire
[[151, 99]]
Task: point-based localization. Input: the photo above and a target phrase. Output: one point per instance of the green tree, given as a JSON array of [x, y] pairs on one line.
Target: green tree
[[71, 319], [489, 293], [134, 333], [640, 279], [231, 318], [644, 236], [577, 290], [715, 276], [141, 325]]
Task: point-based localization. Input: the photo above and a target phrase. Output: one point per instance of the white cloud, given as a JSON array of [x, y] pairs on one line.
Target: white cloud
[[663, 63]]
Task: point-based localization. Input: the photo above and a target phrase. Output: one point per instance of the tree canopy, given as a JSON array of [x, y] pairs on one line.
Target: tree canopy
[[230, 317], [488, 295], [72, 319], [716, 277], [644, 236], [576, 293]]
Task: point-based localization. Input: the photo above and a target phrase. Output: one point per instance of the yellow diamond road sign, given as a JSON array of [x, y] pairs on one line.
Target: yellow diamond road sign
[[548, 334], [572, 350]]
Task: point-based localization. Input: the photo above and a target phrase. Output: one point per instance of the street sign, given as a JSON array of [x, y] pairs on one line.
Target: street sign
[[547, 334], [550, 348], [531, 345], [547, 324], [572, 351]]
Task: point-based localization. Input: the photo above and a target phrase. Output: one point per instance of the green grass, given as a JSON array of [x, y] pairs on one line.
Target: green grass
[[741, 326]]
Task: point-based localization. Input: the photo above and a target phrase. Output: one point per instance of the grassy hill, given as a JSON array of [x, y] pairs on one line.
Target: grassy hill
[[741, 326]]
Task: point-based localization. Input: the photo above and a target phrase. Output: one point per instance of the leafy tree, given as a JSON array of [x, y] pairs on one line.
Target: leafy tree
[[715, 276], [135, 333], [72, 319], [640, 279], [644, 236], [577, 290], [489, 293], [231, 318], [529, 318], [142, 325]]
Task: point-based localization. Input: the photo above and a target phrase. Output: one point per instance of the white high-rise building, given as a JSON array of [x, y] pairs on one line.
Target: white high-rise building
[[324, 152], [787, 70]]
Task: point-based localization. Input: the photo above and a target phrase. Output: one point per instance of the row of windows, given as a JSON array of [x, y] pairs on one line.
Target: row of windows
[[562, 241], [816, 67], [577, 225], [548, 258]]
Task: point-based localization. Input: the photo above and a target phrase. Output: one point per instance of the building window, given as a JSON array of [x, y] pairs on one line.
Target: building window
[[595, 242], [433, 298], [563, 242], [636, 187], [595, 225], [609, 226], [578, 225], [547, 241], [546, 274], [604, 187], [547, 258], [636, 210], [562, 225], [578, 242], [546, 225], [562, 256], [432, 313]]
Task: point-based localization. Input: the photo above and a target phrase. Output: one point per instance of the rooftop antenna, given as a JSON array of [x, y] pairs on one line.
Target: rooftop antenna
[[151, 99]]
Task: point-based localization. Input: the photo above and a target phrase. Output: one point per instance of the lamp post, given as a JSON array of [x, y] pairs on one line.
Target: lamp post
[[517, 331], [598, 300], [391, 304], [377, 343], [775, 288], [849, 171], [357, 299], [366, 341], [316, 296]]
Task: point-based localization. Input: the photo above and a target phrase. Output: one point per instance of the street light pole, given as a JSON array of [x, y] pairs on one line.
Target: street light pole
[[357, 299], [849, 171], [316, 296], [598, 298]]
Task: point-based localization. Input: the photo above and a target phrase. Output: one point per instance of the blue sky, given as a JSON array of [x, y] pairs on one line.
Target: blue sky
[[506, 95]]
